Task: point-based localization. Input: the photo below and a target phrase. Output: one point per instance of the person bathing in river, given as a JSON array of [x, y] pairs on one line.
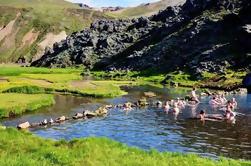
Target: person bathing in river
[[166, 107], [159, 104], [180, 103], [213, 102], [209, 117], [202, 115], [229, 113], [194, 96], [223, 100], [176, 109], [234, 103]]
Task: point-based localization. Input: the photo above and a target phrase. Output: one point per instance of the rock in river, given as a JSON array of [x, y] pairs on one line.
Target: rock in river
[[78, 116], [24, 125]]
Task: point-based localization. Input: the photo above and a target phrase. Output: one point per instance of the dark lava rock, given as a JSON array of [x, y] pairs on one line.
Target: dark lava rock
[[198, 37]]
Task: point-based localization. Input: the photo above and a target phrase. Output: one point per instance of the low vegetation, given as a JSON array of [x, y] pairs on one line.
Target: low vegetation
[[16, 79], [15, 104], [31, 150], [40, 17]]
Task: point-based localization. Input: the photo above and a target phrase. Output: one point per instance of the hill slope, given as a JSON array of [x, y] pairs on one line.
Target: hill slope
[[146, 9], [202, 36], [28, 26]]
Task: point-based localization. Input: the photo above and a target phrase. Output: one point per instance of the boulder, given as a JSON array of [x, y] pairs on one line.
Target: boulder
[[109, 106], [24, 125], [51, 121], [44, 122], [78, 116], [35, 125], [61, 119], [89, 114], [101, 111]]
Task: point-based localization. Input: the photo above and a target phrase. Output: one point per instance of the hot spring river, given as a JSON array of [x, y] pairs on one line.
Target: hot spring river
[[150, 128]]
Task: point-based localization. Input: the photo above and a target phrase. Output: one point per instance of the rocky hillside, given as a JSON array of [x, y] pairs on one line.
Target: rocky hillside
[[200, 36], [27, 27], [147, 9]]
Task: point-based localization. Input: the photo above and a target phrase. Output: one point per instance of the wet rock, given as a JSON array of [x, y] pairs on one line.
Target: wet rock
[[61, 119], [51, 121], [109, 106], [44, 122], [24, 125], [89, 114], [101, 111], [78, 116], [33, 125]]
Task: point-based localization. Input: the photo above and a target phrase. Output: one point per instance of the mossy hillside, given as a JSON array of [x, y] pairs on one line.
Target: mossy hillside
[[15, 104], [31, 150], [42, 17]]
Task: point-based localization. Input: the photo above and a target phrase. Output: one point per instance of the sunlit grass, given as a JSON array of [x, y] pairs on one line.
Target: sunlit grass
[[15, 70], [24, 148], [16, 104]]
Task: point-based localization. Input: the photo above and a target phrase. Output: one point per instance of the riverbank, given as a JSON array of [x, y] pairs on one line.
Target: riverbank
[[16, 79], [32, 150], [31, 80], [229, 81], [16, 104]]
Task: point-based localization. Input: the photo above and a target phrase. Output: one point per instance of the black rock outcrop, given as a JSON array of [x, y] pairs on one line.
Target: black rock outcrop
[[201, 35]]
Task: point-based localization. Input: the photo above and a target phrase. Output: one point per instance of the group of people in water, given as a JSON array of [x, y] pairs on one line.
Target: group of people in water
[[217, 101]]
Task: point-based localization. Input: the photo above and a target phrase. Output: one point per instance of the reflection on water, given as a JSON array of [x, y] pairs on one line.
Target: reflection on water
[[151, 127]]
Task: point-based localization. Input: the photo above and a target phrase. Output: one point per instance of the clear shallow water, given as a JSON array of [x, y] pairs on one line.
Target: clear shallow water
[[150, 127]]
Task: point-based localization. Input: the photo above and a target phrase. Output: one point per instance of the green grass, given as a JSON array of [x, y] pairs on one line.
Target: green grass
[[23, 148], [16, 104], [15, 70], [43, 80], [141, 10], [42, 16]]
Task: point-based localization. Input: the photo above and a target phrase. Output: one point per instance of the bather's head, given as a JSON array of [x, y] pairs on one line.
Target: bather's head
[[202, 114]]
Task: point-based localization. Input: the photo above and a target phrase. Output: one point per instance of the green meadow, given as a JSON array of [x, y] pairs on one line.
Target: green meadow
[[23, 148]]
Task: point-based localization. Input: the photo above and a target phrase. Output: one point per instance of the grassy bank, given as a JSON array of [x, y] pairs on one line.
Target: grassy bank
[[17, 79], [231, 80], [16, 104], [26, 149]]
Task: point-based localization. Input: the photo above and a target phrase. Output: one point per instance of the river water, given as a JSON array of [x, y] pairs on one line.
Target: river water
[[150, 128]]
